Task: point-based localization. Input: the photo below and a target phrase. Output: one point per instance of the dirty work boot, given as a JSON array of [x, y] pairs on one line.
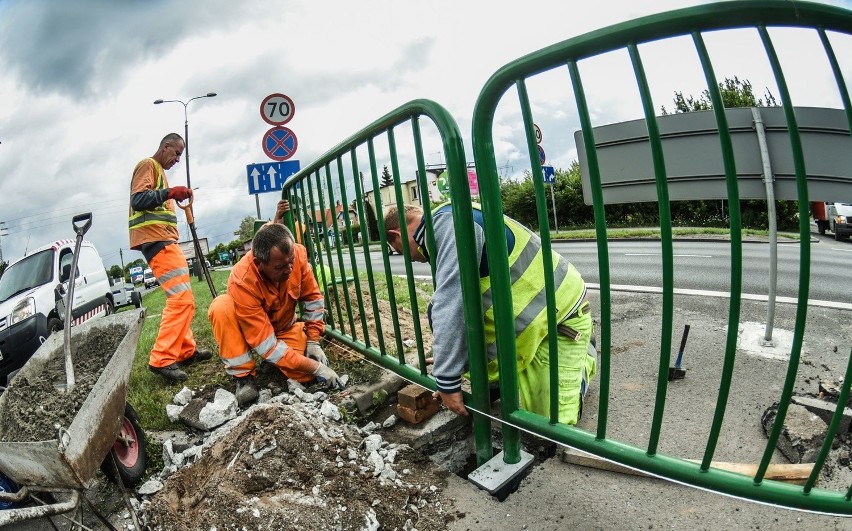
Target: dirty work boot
[[198, 355], [246, 391], [171, 372]]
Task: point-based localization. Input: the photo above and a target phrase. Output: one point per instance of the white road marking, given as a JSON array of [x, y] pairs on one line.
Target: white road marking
[[722, 294]]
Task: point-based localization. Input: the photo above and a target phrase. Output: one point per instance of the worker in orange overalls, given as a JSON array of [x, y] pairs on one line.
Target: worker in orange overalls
[[153, 231], [258, 313]]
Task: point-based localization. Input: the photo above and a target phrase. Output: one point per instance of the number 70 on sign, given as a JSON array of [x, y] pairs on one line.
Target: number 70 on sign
[[277, 109]]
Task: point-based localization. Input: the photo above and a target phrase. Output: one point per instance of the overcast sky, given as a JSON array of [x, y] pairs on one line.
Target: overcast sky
[[79, 79]]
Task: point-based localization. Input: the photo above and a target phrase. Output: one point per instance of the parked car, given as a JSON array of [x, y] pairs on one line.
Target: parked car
[[31, 304], [124, 294], [149, 279]]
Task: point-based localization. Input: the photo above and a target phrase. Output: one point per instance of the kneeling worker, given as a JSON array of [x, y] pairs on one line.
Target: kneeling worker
[[259, 312]]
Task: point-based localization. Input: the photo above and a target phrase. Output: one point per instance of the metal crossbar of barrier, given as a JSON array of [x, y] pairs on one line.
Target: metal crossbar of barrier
[[337, 178], [693, 22]]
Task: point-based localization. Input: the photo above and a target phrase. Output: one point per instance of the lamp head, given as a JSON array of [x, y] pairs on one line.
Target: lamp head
[[157, 102], [211, 94]]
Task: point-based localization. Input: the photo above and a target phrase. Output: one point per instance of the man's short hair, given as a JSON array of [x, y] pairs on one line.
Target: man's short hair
[[392, 217], [171, 137], [271, 236]]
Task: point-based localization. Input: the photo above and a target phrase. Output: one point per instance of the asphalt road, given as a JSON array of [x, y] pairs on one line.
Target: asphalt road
[[698, 265]]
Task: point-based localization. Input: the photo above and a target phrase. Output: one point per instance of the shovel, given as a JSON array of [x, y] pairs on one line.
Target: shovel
[[676, 373], [190, 219], [81, 224]]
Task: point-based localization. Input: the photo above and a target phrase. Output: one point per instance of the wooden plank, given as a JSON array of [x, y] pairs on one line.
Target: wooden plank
[[791, 473]]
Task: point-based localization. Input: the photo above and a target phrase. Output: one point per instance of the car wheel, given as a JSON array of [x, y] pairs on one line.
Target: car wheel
[[136, 299], [110, 307], [129, 452], [54, 325]]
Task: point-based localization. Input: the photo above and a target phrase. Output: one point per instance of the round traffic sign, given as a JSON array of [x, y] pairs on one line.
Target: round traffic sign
[[541, 157], [280, 143], [277, 109], [538, 136]]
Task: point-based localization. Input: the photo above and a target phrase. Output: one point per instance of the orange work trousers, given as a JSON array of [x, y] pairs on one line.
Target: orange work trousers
[[175, 341], [235, 351]]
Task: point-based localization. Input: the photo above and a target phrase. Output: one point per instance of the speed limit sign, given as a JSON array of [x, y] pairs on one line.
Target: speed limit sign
[[537, 134], [277, 109]]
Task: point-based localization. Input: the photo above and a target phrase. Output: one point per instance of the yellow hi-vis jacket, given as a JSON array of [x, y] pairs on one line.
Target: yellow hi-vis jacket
[[159, 224]]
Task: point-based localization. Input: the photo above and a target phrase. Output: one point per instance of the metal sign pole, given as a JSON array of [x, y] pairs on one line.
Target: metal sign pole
[[553, 201]]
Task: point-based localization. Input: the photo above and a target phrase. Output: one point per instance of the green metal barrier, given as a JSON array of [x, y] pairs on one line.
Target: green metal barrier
[[314, 190], [694, 22]]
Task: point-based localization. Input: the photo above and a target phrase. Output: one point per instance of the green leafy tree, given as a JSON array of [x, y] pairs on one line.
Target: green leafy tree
[[372, 222], [116, 272], [246, 230], [387, 178], [735, 93]]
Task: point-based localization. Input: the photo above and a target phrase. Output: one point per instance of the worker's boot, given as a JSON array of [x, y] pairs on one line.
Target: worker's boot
[[171, 372], [246, 391]]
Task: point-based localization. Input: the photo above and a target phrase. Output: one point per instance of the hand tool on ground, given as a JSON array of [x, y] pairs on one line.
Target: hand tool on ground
[[676, 373], [190, 219], [81, 224]]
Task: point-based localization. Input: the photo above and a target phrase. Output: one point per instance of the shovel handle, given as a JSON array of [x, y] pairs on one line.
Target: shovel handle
[[79, 218], [187, 209], [683, 339]]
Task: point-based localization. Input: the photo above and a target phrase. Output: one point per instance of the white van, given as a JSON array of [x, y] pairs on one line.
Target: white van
[[149, 279], [28, 299]]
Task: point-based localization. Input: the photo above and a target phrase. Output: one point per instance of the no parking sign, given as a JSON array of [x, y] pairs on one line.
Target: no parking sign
[[280, 143]]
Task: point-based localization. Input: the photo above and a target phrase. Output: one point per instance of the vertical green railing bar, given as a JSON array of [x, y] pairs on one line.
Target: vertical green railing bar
[[838, 76], [365, 245], [341, 284], [604, 347], [804, 256], [736, 247], [347, 223], [665, 242], [423, 187], [832, 427], [546, 254], [319, 247], [380, 218], [403, 231], [341, 325]]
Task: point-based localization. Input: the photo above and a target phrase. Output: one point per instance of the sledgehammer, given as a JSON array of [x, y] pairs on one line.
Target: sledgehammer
[[676, 373]]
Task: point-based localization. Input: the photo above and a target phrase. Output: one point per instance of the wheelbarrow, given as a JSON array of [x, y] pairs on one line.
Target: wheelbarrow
[[104, 427]]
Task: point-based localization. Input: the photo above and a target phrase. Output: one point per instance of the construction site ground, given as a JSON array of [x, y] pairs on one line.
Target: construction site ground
[[558, 495]]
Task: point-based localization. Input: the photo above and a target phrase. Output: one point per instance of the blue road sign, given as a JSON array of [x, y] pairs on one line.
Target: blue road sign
[[269, 176], [541, 157], [549, 174], [280, 143]]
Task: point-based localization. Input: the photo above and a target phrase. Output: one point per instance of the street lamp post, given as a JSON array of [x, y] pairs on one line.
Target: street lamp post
[[198, 257], [186, 127]]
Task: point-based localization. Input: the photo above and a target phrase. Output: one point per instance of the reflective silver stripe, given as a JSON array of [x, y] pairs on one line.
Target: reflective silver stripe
[[242, 359], [576, 304], [516, 271], [174, 273], [267, 344], [148, 216], [234, 372], [277, 353], [177, 288], [539, 302], [313, 306], [313, 316]]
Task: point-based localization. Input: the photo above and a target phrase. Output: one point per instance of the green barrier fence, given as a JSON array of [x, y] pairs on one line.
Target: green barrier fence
[[352, 286]]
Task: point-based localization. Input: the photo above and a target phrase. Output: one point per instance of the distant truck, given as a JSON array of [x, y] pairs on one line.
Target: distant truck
[[149, 278], [834, 217]]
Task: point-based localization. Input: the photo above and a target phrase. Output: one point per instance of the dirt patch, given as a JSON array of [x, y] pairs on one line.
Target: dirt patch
[[285, 466], [33, 406]]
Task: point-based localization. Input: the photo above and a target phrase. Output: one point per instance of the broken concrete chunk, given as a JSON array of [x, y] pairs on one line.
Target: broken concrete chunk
[[208, 415], [330, 411], [183, 396], [825, 409], [801, 437], [150, 487], [173, 412]]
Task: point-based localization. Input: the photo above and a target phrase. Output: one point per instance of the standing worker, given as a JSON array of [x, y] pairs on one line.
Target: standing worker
[[153, 231], [577, 356], [258, 313]]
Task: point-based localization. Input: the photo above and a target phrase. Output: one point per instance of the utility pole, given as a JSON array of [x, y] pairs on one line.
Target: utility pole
[[3, 232], [121, 257]]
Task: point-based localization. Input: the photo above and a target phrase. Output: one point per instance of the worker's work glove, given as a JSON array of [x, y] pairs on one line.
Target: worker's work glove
[[324, 373], [315, 352], [179, 193]]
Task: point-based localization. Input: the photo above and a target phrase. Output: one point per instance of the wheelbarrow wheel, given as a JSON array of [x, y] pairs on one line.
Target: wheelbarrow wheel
[[7, 485], [129, 451]]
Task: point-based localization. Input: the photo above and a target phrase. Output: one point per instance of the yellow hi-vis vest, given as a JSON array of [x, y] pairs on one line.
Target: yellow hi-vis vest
[[529, 299], [159, 224]]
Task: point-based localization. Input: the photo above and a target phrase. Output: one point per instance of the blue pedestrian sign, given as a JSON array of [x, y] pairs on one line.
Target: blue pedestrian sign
[[549, 174], [280, 143], [269, 176]]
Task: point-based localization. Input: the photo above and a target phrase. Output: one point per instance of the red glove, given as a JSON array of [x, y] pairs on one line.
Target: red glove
[[179, 193]]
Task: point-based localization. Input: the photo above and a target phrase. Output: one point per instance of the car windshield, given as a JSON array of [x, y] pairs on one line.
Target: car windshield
[[28, 273]]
